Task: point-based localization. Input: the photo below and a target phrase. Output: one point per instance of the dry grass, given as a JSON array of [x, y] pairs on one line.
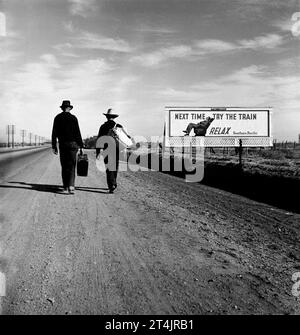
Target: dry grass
[[281, 162]]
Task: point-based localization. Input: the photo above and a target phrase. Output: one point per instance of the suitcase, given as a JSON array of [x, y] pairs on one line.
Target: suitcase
[[82, 164]]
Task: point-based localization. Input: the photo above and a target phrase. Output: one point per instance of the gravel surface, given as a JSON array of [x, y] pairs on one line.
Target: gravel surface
[[158, 245]]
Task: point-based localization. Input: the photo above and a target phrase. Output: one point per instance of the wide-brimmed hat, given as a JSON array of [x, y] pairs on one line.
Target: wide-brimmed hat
[[65, 104], [110, 114]]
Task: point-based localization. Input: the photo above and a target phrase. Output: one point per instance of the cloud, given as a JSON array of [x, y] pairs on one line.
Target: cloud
[[154, 30], [290, 64], [87, 40], [209, 46], [123, 104], [33, 80], [248, 86], [85, 78], [63, 46], [47, 82], [50, 61], [289, 23], [253, 10], [92, 41], [2, 25], [270, 41], [9, 46], [66, 50], [9, 56], [122, 84], [69, 27], [82, 8], [206, 47], [161, 55], [28, 93]]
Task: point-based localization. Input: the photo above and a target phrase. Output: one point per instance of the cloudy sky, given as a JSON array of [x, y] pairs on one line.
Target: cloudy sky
[[138, 56]]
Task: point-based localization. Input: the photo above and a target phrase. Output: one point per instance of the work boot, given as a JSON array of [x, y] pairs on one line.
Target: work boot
[[112, 189], [71, 190], [65, 190]]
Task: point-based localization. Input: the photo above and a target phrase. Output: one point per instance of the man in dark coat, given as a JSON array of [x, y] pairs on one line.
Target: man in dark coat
[[66, 130], [112, 159], [199, 128]]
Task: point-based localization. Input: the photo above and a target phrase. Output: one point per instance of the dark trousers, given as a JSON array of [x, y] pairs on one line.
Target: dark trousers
[[67, 154], [112, 171], [111, 178]]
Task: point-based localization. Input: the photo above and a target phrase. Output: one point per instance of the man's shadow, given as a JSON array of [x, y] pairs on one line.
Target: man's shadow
[[91, 189], [50, 188]]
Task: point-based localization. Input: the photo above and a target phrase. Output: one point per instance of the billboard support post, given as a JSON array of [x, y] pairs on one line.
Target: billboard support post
[[240, 154]]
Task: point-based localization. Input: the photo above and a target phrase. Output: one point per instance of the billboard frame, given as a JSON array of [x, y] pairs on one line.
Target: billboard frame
[[217, 141]]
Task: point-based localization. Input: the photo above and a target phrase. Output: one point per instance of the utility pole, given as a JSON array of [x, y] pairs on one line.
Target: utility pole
[[35, 139], [8, 133], [30, 138], [13, 131], [23, 134]]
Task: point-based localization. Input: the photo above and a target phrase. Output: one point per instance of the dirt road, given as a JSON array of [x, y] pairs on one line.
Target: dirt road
[[158, 245]]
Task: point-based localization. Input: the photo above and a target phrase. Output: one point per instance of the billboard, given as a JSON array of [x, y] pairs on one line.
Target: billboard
[[218, 126]]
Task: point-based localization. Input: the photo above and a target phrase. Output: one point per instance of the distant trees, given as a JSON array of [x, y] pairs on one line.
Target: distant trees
[[90, 143]]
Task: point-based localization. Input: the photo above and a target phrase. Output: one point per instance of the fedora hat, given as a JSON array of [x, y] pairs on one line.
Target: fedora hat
[[110, 114], [66, 103]]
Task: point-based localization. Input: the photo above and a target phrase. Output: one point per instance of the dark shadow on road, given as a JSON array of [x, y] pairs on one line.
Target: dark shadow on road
[[92, 189], [34, 187], [50, 188]]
